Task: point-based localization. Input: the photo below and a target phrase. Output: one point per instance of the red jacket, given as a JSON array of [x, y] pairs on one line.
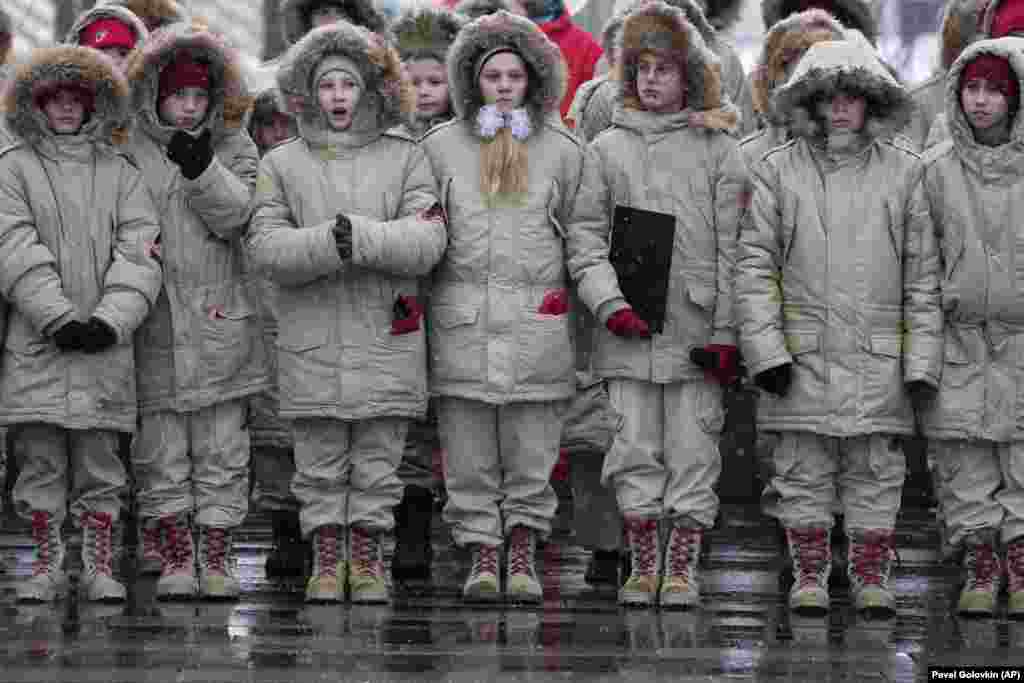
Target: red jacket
[[580, 51]]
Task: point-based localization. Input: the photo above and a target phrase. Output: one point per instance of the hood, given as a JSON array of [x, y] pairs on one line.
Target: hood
[[229, 96], [723, 14], [502, 28], [7, 29], [295, 17], [961, 26], [69, 64], [153, 13], [794, 34], [426, 32], [694, 14], [264, 107], [996, 158], [858, 14], [118, 12], [610, 31], [388, 96], [474, 9], [830, 66], [648, 27]]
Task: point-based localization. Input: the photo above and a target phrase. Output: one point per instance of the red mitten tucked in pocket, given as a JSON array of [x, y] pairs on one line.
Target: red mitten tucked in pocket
[[726, 369], [408, 314], [556, 302], [434, 213], [627, 324]]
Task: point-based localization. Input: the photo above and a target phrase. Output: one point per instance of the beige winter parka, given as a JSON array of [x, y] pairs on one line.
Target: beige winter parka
[[336, 354], [76, 224], [202, 344], [837, 269], [976, 197]]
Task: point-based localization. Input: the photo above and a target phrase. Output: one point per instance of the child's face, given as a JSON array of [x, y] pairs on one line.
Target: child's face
[[430, 81], [843, 112], [185, 108], [64, 112], [503, 81], [118, 53], [326, 14], [984, 104], [275, 131], [338, 94], [660, 84]]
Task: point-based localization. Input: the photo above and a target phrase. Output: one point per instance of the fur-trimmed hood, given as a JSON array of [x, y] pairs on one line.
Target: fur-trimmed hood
[[722, 14], [694, 13], [961, 26], [264, 107], [474, 9], [111, 11], [794, 34], [230, 99], [1004, 157], [657, 25], [426, 32], [69, 64], [831, 66], [858, 14], [295, 17], [154, 14], [543, 59], [388, 96], [6, 28]]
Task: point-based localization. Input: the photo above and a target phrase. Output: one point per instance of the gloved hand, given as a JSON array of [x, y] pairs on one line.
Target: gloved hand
[[71, 336], [921, 393], [720, 361], [98, 336], [627, 324], [192, 155], [776, 380], [343, 235]]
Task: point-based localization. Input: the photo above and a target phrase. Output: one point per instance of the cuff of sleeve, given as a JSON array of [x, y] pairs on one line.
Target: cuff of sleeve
[[326, 247], [768, 364], [727, 337], [610, 308], [123, 311], [203, 181], [913, 375], [57, 323]]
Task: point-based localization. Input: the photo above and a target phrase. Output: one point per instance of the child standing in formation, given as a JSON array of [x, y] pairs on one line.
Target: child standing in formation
[[299, 17]]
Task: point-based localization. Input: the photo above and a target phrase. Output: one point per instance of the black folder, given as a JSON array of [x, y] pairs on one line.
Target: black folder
[[641, 254]]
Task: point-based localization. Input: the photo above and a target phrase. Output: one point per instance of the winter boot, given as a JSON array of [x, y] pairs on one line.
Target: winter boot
[[148, 548], [1015, 578], [367, 583], [217, 580], [603, 568], [641, 588], [810, 551], [327, 582], [870, 563], [98, 583], [482, 583], [981, 575], [521, 583], [413, 550], [48, 581], [680, 587], [287, 558], [178, 572]]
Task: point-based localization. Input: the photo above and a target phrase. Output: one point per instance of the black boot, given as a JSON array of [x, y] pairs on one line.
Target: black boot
[[288, 556], [603, 568], [413, 550]]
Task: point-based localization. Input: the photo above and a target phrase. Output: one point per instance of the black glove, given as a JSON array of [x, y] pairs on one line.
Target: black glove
[[921, 393], [97, 336], [192, 155], [71, 336], [776, 380], [343, 235]]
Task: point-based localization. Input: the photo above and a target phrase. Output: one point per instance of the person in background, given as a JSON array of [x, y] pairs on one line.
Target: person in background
[[111, 29], [474, 9], [588, 115], [298, 17], [154, 14]]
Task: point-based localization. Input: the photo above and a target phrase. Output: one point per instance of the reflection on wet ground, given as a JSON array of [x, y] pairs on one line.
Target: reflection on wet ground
[[742, 631]]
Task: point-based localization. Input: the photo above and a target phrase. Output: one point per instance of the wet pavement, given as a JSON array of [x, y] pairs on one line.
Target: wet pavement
[[742, 631]]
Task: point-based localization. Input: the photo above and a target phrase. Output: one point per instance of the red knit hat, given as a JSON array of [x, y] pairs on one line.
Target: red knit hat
[[184, 72], [107, 32], [1009, 18], [996, 70]]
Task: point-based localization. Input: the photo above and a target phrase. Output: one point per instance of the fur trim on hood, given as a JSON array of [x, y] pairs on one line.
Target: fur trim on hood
[[659, 26], [264, 107], [694, 14], [154, 14], [6, 28], [386, 89], [785, 41], [474, 9], [858, 14], [722, 14], [295, 17], [426, 33], [230, 99], [70, 64], [831, 66], [961, 26], [543, 59], [118, 12]]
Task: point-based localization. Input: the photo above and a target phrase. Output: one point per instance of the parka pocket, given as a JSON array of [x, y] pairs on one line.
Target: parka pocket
[[456, 343], [882, 377], [545, 348], [228, 328]]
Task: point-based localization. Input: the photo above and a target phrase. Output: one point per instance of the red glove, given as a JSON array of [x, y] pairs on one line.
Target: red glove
[[408, 314], [556, 302], [627, 324], [725, 366]]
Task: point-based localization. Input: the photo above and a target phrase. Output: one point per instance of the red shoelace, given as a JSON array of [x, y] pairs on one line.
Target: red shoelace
[[177, 549], [684, 545], [485, 560], [811, 547], [41, 537], [364, 550], [520, 552], [985, 565], [216, 549], [1015, 566], [102, 525], [643, 540], [870, 555], [327, 551]]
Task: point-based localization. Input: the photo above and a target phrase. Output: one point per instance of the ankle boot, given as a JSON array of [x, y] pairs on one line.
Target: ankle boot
[[47, 581], [98, 583], [811, 553]]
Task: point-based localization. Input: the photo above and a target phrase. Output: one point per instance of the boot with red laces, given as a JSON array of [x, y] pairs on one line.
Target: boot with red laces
[[178, 572], [98, 582], [482, 583], [367, 581], [871, 555], [1015, 578], [48, 581], [150, 539], [217, 578], [327, 581], [811, 552], [982, 572], [521, 583], [679, 585], [641, 588]]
